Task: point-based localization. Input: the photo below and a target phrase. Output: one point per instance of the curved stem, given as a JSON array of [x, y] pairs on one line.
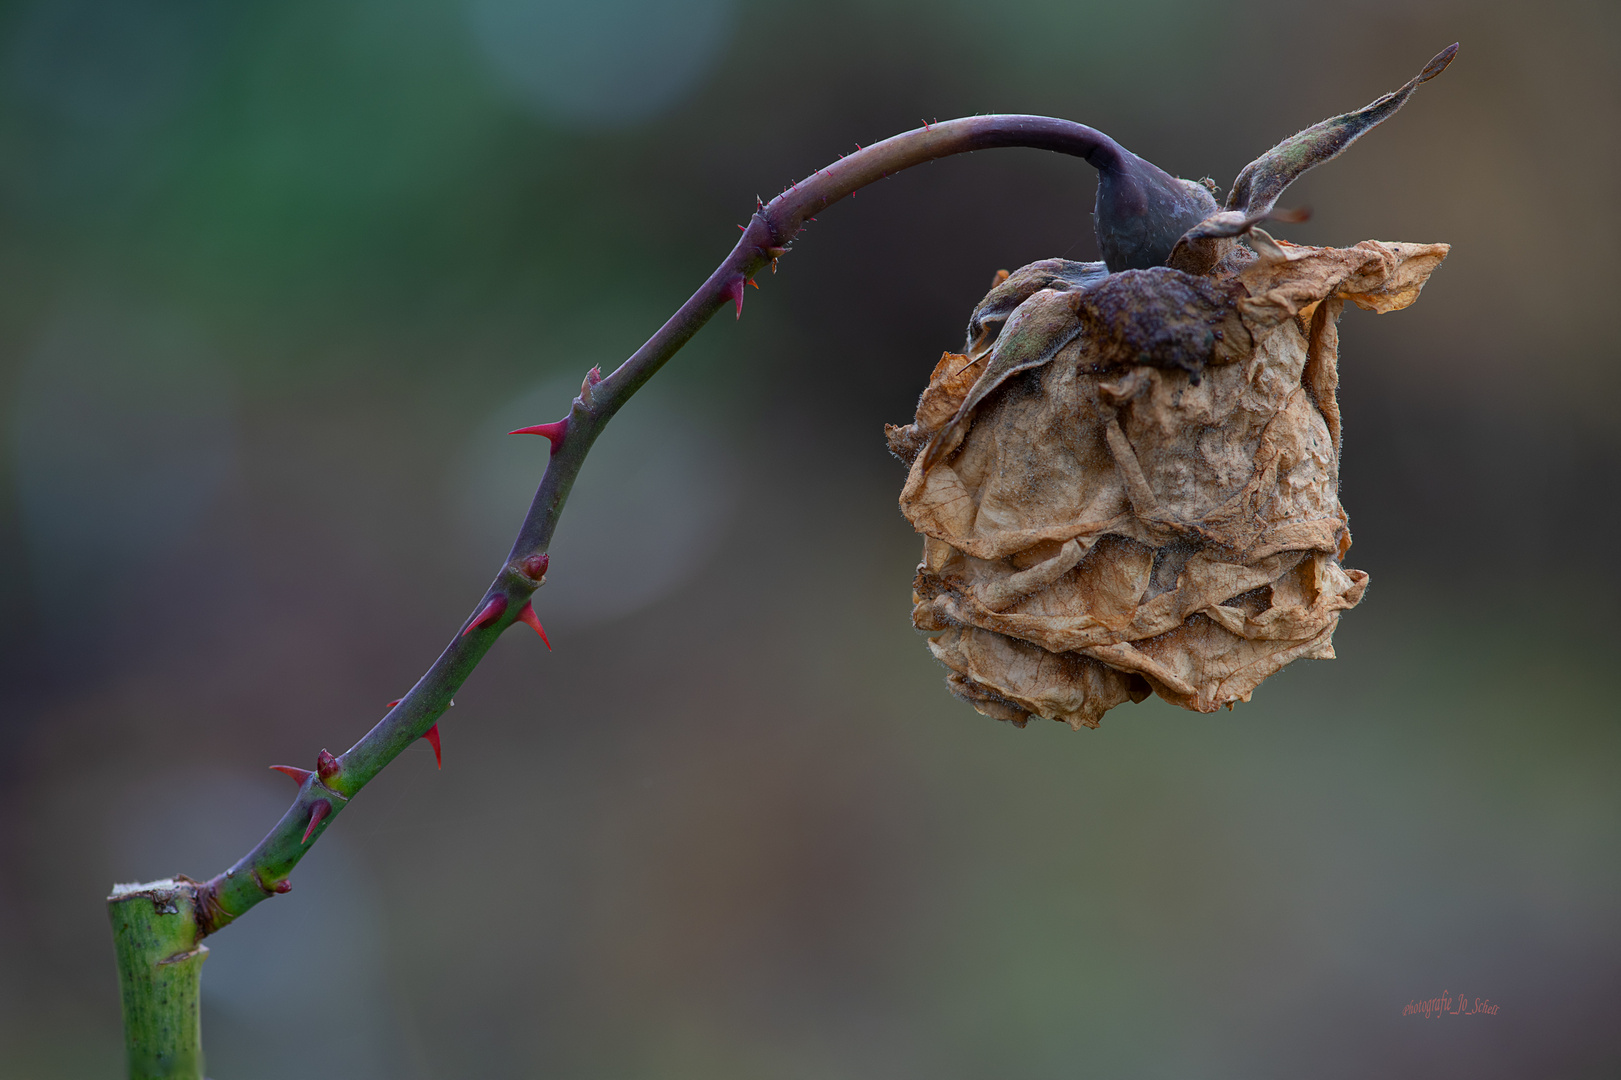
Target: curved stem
[[325, 791], [323, 794]]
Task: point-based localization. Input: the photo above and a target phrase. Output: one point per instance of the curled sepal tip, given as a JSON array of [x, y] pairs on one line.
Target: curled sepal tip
[[318, 812], [432, 735], [487, 614], [1203, 246], [528, 617], [1264, 179]]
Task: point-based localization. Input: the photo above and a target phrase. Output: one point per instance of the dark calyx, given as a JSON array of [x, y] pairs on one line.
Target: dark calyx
[[1142, 211]]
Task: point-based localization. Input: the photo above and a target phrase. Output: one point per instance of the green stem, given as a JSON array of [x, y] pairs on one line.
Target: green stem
[[160, 966]]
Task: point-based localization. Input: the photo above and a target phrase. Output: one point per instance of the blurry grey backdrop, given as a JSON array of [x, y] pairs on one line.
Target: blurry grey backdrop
[[277, 277]]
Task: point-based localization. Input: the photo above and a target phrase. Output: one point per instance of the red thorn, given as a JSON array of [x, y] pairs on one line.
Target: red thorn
[[734, 289], [298, 775], [326, 766], [318, 812], [528, 617], [756, 284], [741, 229], [487, 614], [594, 376], [554, 431], [282, 886], [432, 735], [393, 703]]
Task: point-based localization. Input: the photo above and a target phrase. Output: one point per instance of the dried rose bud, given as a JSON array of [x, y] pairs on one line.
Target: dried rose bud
[[1128, 482]]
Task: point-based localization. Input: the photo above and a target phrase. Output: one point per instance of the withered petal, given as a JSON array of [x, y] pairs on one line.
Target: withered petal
[[1108, 525]]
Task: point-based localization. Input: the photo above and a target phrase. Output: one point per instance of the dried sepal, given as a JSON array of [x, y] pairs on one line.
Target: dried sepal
[[1211, 245], [1033, 335], [1008, 291], [1263, 180]]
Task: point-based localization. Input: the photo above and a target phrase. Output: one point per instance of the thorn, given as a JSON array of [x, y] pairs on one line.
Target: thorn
[[282, 886], [594, 376], [555, 432], [318, 812], [756, 284], [326, 766], [759, 204], [528, 617], [393, 703], [298, 775], [741, 229], [858, 146], [487, 614], [432, 735], [734, 290], [534, 567]]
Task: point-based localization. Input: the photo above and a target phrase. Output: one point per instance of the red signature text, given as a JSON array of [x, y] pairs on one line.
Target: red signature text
[[1447, 1005]]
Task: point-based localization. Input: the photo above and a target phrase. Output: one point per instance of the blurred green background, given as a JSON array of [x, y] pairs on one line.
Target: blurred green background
[[277, 277]]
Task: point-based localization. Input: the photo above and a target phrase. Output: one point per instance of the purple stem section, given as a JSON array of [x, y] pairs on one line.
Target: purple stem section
[[262, 872]]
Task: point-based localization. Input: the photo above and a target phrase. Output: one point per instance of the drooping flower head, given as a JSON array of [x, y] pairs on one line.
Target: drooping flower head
[[1128, 480]]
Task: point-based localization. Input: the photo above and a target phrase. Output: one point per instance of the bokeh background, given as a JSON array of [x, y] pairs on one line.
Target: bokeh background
[[276, 276]]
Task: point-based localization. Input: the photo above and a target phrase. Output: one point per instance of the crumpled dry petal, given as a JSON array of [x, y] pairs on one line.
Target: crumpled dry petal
[[1130, 483]]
